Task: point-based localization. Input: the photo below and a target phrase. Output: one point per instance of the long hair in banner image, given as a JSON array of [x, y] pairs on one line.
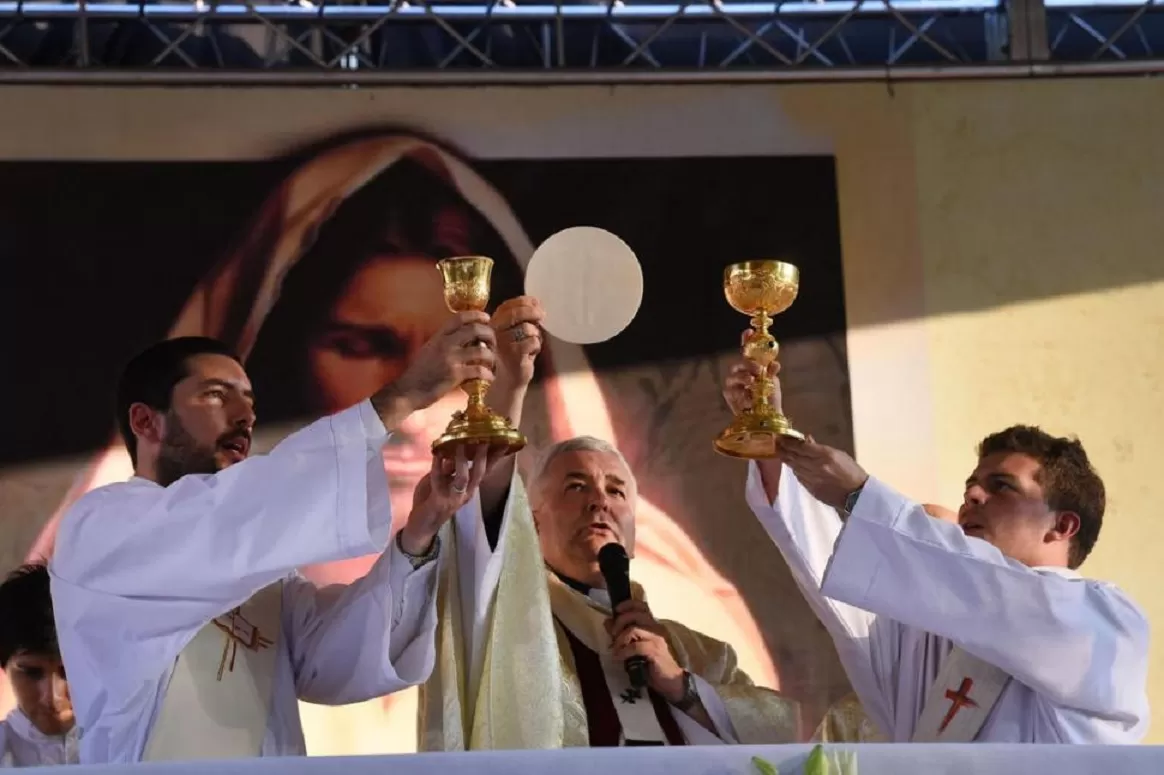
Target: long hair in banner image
[[318, 267]]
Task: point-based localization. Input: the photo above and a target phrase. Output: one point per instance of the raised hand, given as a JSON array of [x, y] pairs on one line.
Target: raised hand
[[828, 473], [450, 484], [517, 326], [737, 386], [460, 351]]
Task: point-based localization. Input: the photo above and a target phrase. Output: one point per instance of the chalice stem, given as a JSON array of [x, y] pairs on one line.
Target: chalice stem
[[762, 394], [475, 389]]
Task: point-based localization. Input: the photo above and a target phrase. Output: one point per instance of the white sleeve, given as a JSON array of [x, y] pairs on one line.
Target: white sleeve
[[869, 647], [1081, 643], [207, 543], [375, 636], [695, 732]]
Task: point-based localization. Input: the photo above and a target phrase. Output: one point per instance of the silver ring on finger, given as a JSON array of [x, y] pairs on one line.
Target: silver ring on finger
[[461, 490], [519, 334]]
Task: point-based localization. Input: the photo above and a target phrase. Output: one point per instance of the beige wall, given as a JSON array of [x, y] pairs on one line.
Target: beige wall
[[1000, 238], [1041, 230]]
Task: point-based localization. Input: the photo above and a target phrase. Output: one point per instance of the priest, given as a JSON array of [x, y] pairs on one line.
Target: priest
[[530, 654], [185, 629], [976, 630]]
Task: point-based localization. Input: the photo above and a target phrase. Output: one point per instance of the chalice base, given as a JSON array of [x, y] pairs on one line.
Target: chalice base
[[471, 429], [755, 436]]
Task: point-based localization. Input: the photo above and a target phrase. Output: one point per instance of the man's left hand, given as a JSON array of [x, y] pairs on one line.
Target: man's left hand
[[451, 483], [517, 325], [828, 473], [635, 632]]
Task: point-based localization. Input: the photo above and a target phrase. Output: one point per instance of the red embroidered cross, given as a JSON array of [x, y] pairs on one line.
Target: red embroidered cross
[[958, 699], [238, 632]]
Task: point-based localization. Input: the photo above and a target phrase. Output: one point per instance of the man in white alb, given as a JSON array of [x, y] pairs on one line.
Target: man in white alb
[[980, 630], [184, 627]]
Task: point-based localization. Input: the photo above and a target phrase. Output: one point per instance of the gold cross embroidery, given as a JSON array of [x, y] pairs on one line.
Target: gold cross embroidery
[[238, 632]]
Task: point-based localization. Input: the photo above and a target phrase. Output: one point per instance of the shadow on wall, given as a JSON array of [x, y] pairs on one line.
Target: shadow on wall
[[1032, 190]]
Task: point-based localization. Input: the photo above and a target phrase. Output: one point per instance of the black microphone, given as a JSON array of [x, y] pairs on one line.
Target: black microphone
[[615, 567]]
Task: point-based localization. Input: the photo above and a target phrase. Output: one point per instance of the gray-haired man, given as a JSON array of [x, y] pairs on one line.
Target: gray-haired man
[[540, 657]]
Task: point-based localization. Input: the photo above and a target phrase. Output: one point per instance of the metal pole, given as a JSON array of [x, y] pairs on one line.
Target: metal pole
[[451, 11], [1028, 30], [555, 77]]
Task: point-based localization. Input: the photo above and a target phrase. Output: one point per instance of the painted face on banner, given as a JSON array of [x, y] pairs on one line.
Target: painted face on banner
[[384, 316], [387, 310]]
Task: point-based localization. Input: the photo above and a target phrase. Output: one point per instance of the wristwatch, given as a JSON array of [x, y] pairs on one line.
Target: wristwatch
[[419, 560], [690, 696], [851, 502]]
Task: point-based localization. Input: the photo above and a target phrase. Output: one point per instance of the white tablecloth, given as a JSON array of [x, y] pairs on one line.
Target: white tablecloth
[[712, 760]]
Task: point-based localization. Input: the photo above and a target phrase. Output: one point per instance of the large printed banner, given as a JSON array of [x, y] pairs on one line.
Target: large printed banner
[[318, 268]]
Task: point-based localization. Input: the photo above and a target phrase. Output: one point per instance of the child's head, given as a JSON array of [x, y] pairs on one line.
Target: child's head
[[29, 652]]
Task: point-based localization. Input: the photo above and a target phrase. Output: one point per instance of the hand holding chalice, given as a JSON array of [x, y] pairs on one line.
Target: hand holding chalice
[[467, 287], [759, 289]]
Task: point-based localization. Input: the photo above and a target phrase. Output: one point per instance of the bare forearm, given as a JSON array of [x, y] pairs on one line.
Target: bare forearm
[[393, 404], [674, 689], [495, 488], [508, 402], [770, 476], [416, 538]]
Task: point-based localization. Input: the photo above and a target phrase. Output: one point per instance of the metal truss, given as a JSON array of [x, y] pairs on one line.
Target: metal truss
[[1110, 31], [534, 42]]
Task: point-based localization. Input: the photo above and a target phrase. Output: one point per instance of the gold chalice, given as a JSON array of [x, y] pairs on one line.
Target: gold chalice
[[467, 288], [759, 289]]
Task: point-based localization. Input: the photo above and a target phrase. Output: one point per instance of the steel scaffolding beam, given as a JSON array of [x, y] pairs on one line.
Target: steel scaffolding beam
[[609, 41]]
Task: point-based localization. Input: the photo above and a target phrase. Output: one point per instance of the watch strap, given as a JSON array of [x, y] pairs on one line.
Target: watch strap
[[690, 693], [851, 501], [420, 560]]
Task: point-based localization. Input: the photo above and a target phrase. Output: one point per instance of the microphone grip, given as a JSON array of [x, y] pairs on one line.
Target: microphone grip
[[636, 670], [615, 567]]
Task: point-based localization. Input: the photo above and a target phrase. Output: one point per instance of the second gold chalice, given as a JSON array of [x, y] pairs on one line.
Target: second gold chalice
[[467, 288], [759, 289]]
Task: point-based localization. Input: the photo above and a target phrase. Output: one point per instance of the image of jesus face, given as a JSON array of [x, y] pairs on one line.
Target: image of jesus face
[[385, 314], [356, 309]]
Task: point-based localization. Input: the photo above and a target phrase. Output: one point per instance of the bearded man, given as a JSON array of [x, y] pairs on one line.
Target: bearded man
[[185, 629]]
